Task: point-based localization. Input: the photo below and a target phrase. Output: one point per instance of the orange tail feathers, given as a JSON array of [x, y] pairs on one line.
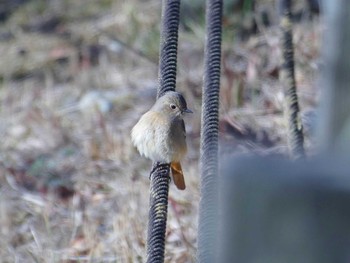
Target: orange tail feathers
[[178, 175]]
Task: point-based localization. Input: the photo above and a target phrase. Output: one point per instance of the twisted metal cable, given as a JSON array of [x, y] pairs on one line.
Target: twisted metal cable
[[207, 225], [159, 185], [295, 128], [158, 212], [168, 46]]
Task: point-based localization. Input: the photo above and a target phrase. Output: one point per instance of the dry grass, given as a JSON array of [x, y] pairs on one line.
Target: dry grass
[[72, 187]]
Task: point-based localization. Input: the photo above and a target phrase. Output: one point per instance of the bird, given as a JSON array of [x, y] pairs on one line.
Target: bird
[[160, 134]]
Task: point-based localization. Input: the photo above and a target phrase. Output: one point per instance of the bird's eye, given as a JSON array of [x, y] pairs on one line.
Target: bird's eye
[[173, 106]]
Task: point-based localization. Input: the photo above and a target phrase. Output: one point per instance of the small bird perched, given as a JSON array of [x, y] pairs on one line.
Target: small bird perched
[[160, 134]]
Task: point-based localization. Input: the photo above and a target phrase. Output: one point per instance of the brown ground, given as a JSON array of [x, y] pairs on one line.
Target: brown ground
[[72, 187]]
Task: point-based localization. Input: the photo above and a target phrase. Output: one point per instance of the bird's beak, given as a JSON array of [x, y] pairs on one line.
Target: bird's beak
[[188, 111]]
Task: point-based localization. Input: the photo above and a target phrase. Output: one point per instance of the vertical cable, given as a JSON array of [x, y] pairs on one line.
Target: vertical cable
[[208, 207], [158, 212], [159, 185], [168, 46], [295, 127]]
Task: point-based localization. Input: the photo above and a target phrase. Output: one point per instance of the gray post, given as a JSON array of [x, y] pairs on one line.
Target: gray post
[[334, 128]]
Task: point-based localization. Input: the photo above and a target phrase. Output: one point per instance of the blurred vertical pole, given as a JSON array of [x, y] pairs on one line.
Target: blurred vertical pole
[[159, 185], [208, 207], [295, 127], [334, 128]]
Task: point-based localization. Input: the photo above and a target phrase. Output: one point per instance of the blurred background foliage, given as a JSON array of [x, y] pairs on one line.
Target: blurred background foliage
[[75, 75]]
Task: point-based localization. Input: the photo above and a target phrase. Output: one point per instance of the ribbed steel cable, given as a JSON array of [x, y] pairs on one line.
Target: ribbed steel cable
[[295, 127], [158, 212], [168, 46], [159, 185], [208, 207]]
